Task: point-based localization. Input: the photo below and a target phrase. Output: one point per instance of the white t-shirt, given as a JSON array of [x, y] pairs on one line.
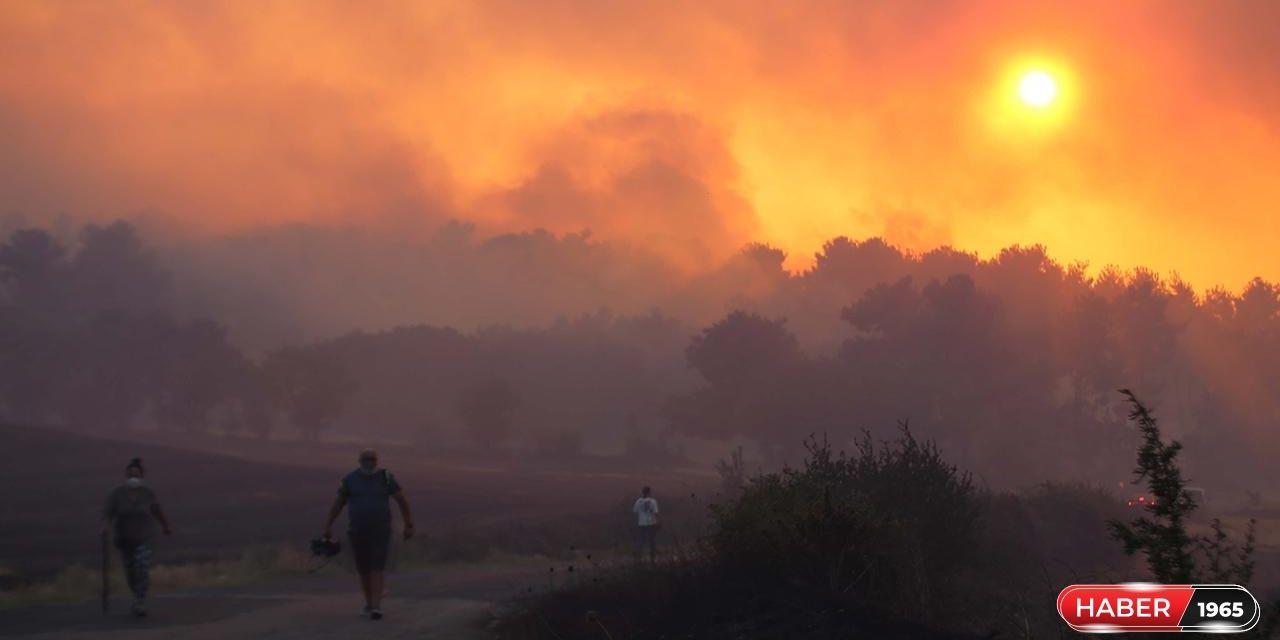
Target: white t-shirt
[[646, 512]]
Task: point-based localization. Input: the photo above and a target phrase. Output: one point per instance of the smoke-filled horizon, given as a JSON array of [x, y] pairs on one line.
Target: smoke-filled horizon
[[1019, 353], [685, 130], [295, 283]]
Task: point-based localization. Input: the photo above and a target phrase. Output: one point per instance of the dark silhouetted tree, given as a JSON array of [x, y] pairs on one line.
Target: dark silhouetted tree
[[1161, 533]]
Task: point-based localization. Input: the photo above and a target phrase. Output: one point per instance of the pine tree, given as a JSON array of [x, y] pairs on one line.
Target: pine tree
[[1161, 533]]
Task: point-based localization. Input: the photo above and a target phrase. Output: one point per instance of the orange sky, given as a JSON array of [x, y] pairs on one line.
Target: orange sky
[[691, 127]]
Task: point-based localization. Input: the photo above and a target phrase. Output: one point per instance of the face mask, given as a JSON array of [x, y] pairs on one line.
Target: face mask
[[133, 483]]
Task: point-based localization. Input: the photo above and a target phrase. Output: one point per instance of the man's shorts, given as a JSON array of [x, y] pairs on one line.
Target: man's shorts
[[369, 546]]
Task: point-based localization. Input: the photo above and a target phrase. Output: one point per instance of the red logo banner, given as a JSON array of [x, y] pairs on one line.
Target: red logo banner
[[1112, 608]]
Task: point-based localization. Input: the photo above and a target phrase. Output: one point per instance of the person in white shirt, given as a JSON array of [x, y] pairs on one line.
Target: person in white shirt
[[646, 510]]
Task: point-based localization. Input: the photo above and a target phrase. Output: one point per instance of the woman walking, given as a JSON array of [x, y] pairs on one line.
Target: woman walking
[[132, 511]]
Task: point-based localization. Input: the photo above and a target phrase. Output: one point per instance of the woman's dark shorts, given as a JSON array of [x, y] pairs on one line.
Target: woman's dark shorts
[[369, 546]]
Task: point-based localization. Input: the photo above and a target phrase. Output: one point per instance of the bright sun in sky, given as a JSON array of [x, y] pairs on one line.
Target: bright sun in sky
[[1037, 89]]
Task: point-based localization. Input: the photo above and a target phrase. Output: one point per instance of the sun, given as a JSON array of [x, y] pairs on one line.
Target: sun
[[1032, 96], [1037, 89]]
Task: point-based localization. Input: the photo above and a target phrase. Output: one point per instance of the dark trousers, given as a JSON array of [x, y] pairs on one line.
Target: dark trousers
[[137, 566], [648, 538]]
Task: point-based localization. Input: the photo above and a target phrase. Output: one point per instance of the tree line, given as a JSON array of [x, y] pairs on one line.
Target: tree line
[[1009, 363]]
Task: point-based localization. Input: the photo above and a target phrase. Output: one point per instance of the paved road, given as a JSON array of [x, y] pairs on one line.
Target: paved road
[[447, 603]]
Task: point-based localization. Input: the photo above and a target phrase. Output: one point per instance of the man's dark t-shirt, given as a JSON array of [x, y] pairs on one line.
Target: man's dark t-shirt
[[130, 511], [368, 499]]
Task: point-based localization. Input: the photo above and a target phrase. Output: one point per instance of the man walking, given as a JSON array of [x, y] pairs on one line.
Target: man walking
[[131, 512], [367, 492], [646, 510]]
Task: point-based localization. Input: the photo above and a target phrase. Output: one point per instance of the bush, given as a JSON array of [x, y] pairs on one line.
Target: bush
[[843, 547], [888, 524], [1068, 538]]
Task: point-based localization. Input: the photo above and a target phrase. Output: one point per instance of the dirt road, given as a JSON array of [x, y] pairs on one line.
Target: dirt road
[[448, 603]]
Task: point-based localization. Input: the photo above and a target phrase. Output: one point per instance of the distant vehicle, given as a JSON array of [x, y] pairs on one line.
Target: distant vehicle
[[1196, 493], [1140, 501]]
